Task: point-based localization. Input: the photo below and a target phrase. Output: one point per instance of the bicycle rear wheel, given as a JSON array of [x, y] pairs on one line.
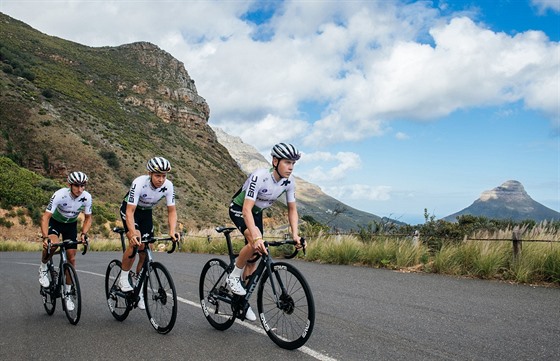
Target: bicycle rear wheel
[[49, 293], [215, 300], [71, 297], [288, 318], [160, 298], [117, 304]]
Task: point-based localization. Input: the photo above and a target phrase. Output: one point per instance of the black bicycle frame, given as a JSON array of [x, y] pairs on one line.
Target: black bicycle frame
[[254, 278]]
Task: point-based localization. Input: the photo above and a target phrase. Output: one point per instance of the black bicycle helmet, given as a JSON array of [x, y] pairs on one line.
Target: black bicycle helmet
[[285, 151], [158, 165], [77, 178]]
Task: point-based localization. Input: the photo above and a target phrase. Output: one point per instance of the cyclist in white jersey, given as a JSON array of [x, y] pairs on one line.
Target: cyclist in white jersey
[[136, 214], [261, 189], [61, 219]]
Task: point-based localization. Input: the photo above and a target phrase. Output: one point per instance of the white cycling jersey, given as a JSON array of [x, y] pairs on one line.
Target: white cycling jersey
[[265, 190], [143, 194], [65, 208]]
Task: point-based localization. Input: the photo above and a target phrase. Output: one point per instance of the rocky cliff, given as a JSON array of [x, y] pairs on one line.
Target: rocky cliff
[[105, 111]]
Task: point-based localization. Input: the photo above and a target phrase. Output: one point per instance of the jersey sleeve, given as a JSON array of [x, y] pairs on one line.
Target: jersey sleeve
[[291, 192], [52, 204], [252, 186], [134, 192], [89, 205], [170, 194]]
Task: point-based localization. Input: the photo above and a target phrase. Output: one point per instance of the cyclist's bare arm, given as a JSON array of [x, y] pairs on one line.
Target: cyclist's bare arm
[[133, 234]]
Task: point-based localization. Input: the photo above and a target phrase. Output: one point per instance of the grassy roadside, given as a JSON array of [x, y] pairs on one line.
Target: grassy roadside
[[538, 263]]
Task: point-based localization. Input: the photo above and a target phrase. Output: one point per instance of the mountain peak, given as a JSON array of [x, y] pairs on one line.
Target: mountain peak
[[511, 190], [509, 201]]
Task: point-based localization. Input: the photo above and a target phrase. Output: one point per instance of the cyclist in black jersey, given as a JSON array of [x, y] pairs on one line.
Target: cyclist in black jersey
[[60, 219], [136, 214], [261, 189]]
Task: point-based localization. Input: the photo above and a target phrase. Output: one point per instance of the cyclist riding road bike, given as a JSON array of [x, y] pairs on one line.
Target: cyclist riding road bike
[[60, 219], [136, 214], [261, 189]]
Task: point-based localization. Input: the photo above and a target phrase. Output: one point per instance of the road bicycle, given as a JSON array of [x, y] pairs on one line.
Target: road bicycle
[[285, 303], [63, 282], [154, 280]]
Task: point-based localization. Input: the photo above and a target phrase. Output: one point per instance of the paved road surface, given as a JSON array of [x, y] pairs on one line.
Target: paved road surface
[[362, 314]]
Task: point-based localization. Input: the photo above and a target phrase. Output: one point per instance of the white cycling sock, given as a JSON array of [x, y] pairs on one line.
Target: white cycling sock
[[124, 275], [236, 272], [43, 266], [67, 288]]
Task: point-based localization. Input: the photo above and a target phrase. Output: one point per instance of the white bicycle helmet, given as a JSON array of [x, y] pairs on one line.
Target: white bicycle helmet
[[158, 165], [285, 151], [78, 178]]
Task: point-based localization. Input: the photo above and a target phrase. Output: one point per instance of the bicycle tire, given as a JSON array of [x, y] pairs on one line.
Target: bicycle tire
[[73, 294], [49, 293], [213, 292], [160, 298], [289, 324], [118, 305]]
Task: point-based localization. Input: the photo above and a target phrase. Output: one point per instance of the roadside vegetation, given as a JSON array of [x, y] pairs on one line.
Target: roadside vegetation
[[472, 247]]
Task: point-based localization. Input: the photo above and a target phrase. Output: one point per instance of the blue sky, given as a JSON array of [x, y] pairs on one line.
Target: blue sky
[[397, 105]]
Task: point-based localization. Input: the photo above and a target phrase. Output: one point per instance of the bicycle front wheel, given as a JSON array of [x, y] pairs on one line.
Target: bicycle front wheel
[[117, 304], [215, 299], [71, 297], [160, 298], [49, 293], [286, 306]]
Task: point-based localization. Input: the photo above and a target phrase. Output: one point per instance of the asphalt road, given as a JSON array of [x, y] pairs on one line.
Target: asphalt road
[[362, 314]]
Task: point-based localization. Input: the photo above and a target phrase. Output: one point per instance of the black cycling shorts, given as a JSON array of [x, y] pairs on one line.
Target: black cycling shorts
[[64, 230], [143, 220], [236, 215]]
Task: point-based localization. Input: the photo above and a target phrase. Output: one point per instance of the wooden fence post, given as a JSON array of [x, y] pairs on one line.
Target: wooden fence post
[[517, 245]]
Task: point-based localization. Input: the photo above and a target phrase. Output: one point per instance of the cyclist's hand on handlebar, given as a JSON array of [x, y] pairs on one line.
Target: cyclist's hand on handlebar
[[134, 241], [298, 242], [258, 245], [176, 237]]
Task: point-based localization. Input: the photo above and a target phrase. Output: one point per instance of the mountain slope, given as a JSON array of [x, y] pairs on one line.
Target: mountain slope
[[509, 201], [105, 111], [312, 201]]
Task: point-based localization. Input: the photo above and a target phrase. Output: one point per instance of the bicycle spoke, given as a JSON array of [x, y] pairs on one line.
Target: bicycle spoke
[[71, 298], [288, 316], [160, 298], [49, 293], [117, 304], [215, 300]]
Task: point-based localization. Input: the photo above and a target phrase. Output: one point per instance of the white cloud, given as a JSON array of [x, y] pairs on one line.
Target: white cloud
[[469, 66], [331, 168], [544, 5], [364, 58], [267, 132], [360, 192], [402, 136]]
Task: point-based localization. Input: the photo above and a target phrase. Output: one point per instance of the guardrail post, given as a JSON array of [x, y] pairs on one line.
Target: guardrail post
[[517, 245]]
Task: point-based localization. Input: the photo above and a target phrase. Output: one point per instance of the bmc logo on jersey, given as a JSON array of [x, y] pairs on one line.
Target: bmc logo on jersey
[[131, 194], [252, 186]]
